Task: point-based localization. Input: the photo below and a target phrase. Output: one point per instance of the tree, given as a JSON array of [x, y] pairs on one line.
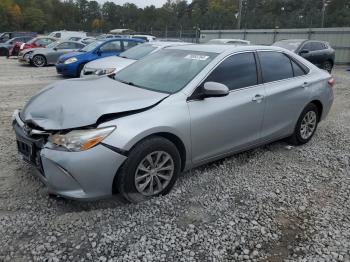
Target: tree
[[34, 20]]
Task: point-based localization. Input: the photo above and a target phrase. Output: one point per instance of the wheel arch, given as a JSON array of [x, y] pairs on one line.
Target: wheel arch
[[319, 106], [179, 144]]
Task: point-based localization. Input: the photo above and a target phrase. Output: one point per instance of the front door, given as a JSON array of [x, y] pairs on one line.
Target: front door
[[220, 125]]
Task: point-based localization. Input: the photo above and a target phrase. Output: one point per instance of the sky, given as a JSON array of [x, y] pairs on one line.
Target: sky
[[139, 3]]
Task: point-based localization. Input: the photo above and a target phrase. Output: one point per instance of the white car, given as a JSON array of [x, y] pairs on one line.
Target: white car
[[111, 65], [229, 41], [63, 35], [147, 38]]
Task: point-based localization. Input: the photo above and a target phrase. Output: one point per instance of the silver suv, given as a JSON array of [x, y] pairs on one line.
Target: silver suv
[[176, 109]]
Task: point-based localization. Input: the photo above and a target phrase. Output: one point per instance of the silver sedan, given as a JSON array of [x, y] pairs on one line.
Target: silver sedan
[[174, 110], [49, 55]]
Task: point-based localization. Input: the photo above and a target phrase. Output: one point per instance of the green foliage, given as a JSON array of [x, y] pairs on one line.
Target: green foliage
[[49, 15]]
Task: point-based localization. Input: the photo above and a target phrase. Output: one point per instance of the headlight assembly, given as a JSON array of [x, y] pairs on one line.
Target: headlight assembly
[[81, 140], [105, 71], [70, 60]]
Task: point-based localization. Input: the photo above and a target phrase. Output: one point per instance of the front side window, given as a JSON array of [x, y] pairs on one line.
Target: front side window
[[111, 47], [65, 45], [275, 66], [236, 71], [167, 71]]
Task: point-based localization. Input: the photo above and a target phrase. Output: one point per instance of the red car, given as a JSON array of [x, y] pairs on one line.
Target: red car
[[41, 41]]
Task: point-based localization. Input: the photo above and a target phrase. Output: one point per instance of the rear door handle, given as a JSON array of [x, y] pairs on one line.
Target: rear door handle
[[258, 98], [305, 84]]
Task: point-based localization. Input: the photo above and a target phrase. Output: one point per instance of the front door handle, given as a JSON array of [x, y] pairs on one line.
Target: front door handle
[[258, 98]]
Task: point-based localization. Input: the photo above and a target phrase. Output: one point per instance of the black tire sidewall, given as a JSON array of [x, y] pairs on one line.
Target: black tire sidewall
[[125, 178], [36, 57], [297, 135]]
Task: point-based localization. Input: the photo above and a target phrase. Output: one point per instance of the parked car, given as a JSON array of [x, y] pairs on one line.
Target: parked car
[[15, 48], [320, 53], [7, 46], [147, 38], [65, 35], [173, 110], [228, 41], [5, 36], [41, 41], [87, 40], [71, 64], [40, 57], [112, 64]]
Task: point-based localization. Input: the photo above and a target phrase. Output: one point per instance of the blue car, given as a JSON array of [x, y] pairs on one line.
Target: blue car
[[71, 64]]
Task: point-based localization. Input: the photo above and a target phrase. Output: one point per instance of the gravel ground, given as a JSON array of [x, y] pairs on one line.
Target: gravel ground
[[273, 203]]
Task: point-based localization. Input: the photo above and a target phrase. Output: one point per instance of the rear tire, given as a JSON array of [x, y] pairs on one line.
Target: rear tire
[[150, 170], [306, 125], [39, 61], [328, 66]]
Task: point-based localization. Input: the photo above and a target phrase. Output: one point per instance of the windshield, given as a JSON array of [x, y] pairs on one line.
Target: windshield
[[91, 46], [168, 70], [291, 45], [138, 52]]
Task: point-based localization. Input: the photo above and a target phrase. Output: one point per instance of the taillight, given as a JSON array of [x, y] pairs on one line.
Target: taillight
[[331, 82]]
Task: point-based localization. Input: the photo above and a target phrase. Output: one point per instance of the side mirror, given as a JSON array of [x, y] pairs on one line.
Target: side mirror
[[303, 51], [55, 48], [214, 89], [98, 52]]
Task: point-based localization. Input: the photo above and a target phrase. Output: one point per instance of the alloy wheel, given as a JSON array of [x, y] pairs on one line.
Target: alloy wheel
[[308, 125], [39, 61], [154, 173]]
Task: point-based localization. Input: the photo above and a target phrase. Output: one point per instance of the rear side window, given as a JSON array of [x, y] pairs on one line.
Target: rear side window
[[275, 66], [298, 71], [237, 71], [130, 44], [314, 46]]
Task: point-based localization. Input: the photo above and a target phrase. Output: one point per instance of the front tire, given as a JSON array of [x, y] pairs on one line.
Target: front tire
[[306, 125], [151, 170], [39, 61]]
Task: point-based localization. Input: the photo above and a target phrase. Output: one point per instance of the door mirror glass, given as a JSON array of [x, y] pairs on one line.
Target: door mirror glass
[[215, 89]]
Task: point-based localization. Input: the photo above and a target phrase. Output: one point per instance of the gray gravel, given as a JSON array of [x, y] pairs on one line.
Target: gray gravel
[[274, 203]]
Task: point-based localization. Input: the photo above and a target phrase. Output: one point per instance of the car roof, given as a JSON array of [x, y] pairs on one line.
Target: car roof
[[165, 44], [224, 48]]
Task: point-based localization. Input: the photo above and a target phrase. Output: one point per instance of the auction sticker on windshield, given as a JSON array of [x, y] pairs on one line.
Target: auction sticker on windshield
[[197, 57]]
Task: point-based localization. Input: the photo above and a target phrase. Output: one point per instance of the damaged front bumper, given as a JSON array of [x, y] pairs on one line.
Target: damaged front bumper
[[78, 175]]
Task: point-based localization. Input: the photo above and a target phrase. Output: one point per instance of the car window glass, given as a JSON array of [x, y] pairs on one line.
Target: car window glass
[[298, 71], [58, 35], [64, 45], [78, 46], [314, 46], [111, 47], [275, 66], [129, 44], [235, 72]]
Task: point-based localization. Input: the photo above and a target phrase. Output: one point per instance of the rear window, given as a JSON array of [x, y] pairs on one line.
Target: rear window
[[275, 66]]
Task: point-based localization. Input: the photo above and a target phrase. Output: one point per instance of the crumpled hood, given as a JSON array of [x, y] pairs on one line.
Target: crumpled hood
[[110, 62], [80, 102]]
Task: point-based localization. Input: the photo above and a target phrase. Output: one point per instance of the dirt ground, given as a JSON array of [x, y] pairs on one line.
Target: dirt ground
[[274, 203]]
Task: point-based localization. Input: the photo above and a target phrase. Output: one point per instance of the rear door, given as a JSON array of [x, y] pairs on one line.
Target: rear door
[[220, 125], [316, 52], [287, 88], [111, 48]]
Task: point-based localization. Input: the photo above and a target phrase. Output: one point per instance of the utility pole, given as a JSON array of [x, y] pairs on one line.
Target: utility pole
[[239, 18], [324, 5]]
